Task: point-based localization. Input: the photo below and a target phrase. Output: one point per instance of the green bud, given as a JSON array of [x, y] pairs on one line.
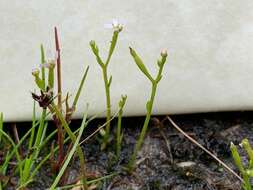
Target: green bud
[[36, 72], [38, 80], [96, 52], [122, 101], [140, 64], [94, 47], [162, 60], [164, 53]]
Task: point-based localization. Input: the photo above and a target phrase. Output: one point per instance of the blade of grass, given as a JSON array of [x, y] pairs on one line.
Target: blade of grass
[[88, 182], [36, 169], [10, 155], [33, 123], [80, 88], [16, 151], [43, 68], [71, 153], [73, 139]]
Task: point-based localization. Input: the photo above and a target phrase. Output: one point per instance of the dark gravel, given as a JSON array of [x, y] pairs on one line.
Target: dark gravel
[[163, 150]]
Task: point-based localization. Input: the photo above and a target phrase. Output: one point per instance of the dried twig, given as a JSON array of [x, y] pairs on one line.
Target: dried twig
[[204, 149], [16, 137], [160, 126], [97, 130]]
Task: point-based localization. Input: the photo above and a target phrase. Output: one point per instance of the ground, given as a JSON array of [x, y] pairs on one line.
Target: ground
[[167, 159]]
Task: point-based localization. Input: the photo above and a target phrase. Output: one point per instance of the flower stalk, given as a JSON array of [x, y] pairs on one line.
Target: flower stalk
[[149, 105], [106, 78]]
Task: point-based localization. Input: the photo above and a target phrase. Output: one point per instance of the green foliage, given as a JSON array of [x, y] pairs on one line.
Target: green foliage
[[51, 105], [245, 170]]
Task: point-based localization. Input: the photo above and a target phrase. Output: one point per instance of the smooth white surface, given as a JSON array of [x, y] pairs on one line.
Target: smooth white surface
[[209, 43]]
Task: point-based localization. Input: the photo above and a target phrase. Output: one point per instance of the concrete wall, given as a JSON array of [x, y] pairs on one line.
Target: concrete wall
[[209, 42]]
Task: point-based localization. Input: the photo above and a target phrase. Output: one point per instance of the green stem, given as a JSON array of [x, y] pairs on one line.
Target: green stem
[[108, 105], [144, 128], [119, 134], [70, 154], [40, 132], [112, 46]]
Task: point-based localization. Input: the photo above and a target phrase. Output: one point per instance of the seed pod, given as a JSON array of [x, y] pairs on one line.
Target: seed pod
[[140, 64]]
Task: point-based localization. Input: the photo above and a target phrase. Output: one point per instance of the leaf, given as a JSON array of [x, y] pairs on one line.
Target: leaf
[[80, 87], [42, 63]]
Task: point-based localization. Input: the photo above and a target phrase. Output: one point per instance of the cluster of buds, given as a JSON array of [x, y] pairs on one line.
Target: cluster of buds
[[46, 96], [49, 64]]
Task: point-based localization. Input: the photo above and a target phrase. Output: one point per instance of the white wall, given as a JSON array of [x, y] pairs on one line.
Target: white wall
[[209, 42]]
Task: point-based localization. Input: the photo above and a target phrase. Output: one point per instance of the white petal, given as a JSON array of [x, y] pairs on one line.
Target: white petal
[[108, 25]]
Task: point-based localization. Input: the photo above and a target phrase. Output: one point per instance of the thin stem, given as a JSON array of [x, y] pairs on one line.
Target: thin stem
[[108, 105], [33, 124], [112, 46], [119, 134], [40, 130], [70, 154], [107, 82], [144, 128]]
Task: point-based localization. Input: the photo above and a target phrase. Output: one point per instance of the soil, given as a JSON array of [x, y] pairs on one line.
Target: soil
[[167, 160]]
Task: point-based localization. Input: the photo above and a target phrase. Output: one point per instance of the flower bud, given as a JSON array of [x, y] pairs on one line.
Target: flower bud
[[164, 53], [51, 64], [94, 47], [119, 28], [35, 72]]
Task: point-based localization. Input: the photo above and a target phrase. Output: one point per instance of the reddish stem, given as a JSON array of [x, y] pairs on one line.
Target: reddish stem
[[57, 47], [59, 83]]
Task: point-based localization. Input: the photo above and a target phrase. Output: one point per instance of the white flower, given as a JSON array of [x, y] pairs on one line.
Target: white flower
[[116, 25], [51, 59], [52, 56]]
